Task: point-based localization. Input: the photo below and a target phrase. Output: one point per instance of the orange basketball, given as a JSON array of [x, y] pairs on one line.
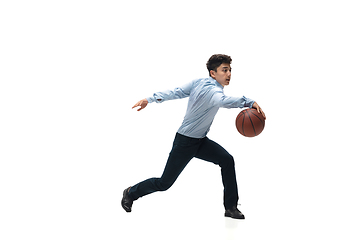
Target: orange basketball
[[249, 122]]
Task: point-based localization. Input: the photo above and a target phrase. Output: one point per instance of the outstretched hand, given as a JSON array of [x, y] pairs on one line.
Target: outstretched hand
[[258, 108], [142, 104]]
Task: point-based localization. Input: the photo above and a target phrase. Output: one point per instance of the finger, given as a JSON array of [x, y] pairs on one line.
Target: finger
[[137, 104], [263, 114]]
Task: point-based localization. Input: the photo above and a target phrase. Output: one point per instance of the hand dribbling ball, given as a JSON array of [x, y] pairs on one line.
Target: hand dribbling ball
[[249, 122]]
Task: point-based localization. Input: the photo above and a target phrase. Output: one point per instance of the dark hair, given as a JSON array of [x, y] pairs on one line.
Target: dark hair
[[216, 60]]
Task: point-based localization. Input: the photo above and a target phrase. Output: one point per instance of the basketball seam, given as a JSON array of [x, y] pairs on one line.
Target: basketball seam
[[242, 125], [251, 122], [258, 118]]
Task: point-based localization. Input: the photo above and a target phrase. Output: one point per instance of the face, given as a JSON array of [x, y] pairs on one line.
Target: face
[[222, 74]]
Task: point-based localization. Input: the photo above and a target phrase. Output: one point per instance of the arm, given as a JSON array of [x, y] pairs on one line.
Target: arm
[[231, 102], [159, 97], [235, 102], [177, 93]]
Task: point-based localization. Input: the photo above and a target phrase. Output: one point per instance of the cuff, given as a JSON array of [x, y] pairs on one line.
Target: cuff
[[251, 104], [150, 99], [248, 102]]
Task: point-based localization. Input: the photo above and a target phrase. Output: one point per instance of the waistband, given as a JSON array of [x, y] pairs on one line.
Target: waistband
[[189, 138]]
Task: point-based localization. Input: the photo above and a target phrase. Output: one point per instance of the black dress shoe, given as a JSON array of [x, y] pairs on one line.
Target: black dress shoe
[[234, 213], [126, 201]]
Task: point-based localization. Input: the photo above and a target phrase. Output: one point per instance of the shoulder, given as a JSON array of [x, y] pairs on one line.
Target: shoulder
[[208, 85], [198, 81], [205, 82]]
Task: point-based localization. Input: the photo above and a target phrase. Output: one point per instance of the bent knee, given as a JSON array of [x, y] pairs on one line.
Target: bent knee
[[163, 186], [231, 159], [228, 160]]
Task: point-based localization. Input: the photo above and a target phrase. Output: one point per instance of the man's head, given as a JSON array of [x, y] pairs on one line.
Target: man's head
[[219, 68]]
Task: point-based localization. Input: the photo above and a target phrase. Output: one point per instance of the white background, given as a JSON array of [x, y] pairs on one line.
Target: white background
[[70, 142]]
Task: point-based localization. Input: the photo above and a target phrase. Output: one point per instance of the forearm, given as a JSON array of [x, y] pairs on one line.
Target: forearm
[[236, 102], [177, 93], [167, 95]]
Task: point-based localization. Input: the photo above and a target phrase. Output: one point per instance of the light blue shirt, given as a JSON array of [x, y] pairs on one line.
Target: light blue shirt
[[206, 96]]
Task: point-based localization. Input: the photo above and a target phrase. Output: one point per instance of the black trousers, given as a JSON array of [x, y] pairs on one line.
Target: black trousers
[[183, 150]]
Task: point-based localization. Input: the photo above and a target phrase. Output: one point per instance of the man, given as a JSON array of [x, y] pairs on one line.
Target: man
[[206, 96]]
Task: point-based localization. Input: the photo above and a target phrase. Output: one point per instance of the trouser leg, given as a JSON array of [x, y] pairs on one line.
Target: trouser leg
[[213, 152], [182, 152]]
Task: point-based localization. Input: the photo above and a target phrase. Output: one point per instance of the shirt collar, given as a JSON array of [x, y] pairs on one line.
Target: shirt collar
[[216, 82]]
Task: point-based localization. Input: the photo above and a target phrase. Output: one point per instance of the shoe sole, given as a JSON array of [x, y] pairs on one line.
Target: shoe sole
[[230, 216]]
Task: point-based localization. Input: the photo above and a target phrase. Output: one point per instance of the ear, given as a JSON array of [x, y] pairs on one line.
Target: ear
[[212, 74]]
